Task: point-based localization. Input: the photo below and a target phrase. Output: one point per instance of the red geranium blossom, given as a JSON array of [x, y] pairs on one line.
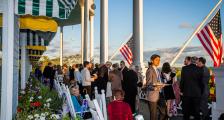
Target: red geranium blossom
[[19, 110], [35, 104], [19, 97]]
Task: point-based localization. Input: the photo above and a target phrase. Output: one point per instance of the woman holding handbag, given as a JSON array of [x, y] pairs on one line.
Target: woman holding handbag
[[169, 78]]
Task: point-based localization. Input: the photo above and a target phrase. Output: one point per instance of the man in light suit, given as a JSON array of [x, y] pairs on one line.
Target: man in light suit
[[154, 92]]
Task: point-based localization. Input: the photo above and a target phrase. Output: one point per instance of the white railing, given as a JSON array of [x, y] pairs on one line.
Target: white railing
[[97, 106]]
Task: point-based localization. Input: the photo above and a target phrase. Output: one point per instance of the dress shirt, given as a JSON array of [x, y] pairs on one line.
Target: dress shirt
[[157, 73], [86, 78], [78, 76]]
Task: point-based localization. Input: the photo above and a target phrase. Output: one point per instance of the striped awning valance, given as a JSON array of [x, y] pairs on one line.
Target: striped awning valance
[[51, 8]]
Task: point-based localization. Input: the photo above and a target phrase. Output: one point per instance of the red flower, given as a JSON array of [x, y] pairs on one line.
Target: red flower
[[213, 78], [35, 104], [19, 97], [19, 110]]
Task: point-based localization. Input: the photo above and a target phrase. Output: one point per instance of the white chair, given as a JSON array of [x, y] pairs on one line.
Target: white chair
[[60, 78], [94, 114], [69, 100], [90, 103], [99, 112], [99, 107], [94, 108], [103, 99], [139, 117], [58, 88], [98, 98]]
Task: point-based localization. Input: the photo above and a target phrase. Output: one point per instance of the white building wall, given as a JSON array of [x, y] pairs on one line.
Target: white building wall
[[218, 107]]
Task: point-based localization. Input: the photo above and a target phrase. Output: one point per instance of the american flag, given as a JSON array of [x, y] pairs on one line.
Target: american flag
[[211, 39], [126, 51]]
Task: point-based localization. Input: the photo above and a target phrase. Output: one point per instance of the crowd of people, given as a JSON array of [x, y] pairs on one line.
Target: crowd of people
[[122, 85], [164, 95]]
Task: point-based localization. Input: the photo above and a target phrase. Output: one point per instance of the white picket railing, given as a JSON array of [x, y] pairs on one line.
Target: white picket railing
[[97, 106]]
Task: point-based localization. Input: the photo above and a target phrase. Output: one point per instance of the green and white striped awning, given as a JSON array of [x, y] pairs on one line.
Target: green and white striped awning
[[50, 8]]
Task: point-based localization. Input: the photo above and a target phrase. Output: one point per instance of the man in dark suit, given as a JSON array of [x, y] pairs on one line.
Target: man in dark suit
[[191, 87], [205, 93], [49, 75], [130, 88], [124, 71], [71, 73]]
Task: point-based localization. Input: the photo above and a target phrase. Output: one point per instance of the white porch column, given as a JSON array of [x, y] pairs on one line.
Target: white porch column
[[82, 28], [7, 60], [138, 32], [91, 37], [86, 19], [37, 40], [103, 31], [61, 45], [42, 42], [28, 68], [31, 38], [23, 36]]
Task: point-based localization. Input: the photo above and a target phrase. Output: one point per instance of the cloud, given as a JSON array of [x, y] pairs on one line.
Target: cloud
[[185, 25], [70, 47]]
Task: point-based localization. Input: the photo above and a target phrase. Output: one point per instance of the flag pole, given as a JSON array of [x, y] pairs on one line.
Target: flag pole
[[194, 33], [115, 53]]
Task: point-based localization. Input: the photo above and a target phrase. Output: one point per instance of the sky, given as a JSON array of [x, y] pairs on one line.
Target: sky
[[166, 24]]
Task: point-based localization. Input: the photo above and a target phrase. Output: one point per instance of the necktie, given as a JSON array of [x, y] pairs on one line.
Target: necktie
[[159, 79], [158, 76]]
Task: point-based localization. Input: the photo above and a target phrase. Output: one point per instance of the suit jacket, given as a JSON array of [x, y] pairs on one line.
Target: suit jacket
[[48, 72], [130, 83], [71, 74], [115, 79], [151, 78], [205, 80], [191, 84], [124, 76]]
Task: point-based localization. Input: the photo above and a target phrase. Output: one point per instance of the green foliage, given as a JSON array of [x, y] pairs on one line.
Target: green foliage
[[38, 102], [67, 117]]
